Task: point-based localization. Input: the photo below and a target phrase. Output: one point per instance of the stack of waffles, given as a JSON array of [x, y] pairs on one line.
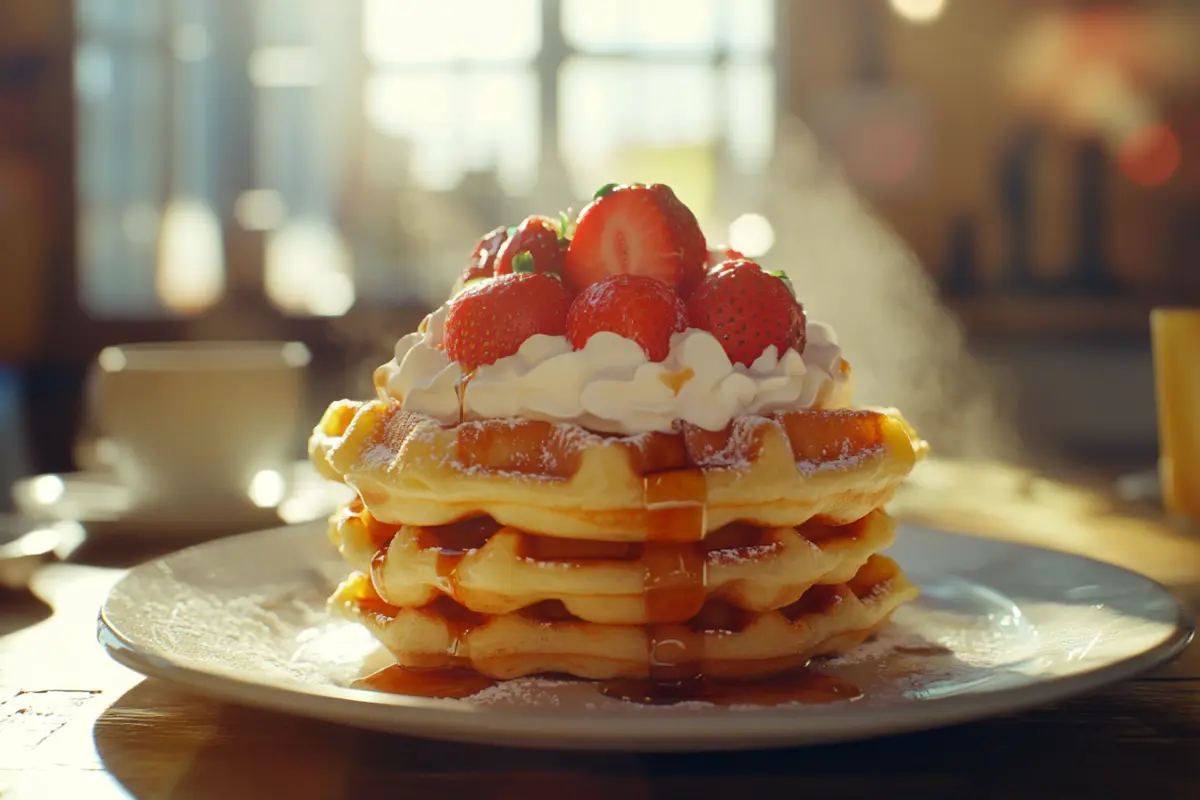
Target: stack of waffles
[[518, 547], [616, 453]]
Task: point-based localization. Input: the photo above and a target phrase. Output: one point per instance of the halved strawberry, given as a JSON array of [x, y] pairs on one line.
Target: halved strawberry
[[492, 319], [747, 310], [539, 237], [634, 306], [483, 258], [637, 230]]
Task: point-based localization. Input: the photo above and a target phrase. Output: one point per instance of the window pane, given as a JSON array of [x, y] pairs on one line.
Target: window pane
[[143, 18], [452, 123], [750, 109], [284, 22], [121, 157], [750, 28], [642, 26], [420, 31], [658, 27], [606, 108]]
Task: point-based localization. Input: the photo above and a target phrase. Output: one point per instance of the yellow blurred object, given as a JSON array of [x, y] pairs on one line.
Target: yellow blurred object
[[1176, 337]]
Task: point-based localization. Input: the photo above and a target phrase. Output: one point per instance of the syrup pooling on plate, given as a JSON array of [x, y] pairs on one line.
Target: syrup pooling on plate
[[802, 685], [450, 684]]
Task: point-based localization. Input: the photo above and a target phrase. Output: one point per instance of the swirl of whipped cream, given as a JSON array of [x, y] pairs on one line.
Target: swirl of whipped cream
[[611, 386]]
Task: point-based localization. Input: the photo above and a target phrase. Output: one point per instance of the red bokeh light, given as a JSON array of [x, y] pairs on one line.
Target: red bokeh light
[[1150, 155]]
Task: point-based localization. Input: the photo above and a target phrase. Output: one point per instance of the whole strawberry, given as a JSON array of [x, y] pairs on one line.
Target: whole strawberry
[[634, 306], [483, 258], [537, 244], [492, 319], [747, 310], [637, 230]]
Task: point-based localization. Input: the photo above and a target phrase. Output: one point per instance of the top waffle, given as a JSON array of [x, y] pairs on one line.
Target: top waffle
[[558, 479]]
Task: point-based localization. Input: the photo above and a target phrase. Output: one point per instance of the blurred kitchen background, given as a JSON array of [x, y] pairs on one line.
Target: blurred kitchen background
[[985, 197]]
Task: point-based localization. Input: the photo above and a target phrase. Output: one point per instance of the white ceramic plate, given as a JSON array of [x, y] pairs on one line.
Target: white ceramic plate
[[243, 619]]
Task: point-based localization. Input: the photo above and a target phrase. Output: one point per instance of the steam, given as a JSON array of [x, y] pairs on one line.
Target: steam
[[849, 269]]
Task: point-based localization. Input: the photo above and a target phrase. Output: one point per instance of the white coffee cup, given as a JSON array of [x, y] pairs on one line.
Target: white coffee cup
[[200, 427]]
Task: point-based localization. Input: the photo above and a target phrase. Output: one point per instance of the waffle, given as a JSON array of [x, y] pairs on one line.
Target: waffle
[[560, 480], [721, 641], [494, 569]]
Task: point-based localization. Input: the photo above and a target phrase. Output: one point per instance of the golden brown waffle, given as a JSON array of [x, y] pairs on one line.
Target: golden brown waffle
[[560, 480], [492, 569], [721, 641]]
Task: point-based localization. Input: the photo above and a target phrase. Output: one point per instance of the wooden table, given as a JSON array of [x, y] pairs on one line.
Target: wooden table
[[75, 725]]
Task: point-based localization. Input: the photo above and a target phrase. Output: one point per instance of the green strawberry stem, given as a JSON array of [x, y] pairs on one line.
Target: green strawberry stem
[[522, 263], [564, 226], [783, 276], [605, 190]]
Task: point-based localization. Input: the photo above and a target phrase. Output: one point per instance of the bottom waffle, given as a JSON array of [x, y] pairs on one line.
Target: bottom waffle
[[722, 641]]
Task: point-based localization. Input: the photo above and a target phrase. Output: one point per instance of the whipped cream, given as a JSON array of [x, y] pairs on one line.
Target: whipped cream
[[611, 386]]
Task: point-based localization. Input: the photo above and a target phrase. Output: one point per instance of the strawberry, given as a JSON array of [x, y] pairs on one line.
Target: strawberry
[[492, 319], [639, 230], [721, 254], [538, 237], [634, 306], [747, 310], [483, 258]]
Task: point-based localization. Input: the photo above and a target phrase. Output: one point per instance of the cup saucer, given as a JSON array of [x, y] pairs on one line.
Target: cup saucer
[[106, 507], [24, 547]]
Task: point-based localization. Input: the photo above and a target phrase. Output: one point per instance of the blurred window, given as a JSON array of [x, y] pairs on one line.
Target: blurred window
[[344, 132]]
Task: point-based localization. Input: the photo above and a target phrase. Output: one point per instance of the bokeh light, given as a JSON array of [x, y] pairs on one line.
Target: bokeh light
[[919, 11], [1150, 155], [752, 234]]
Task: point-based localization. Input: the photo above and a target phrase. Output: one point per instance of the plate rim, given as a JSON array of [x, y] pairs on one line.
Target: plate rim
[[600, 730]]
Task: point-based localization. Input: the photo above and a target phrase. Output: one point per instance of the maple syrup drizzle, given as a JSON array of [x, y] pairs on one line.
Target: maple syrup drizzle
[[734, 536], [818, 599], [378, 566], [676, 380], [460, 619], [674, 579], [460, 389], [452, 542]]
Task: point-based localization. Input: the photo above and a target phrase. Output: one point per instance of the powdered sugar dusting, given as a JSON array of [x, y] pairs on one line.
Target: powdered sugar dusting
[[745, 555], [848, 457], [528, 692], [379, 456]]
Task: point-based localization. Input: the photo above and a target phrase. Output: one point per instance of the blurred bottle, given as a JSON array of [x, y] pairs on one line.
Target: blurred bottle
[[1176, 337]]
